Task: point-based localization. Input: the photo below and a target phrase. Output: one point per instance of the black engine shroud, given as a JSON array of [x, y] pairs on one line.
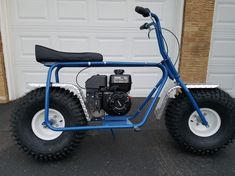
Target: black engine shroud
[[112, 99]]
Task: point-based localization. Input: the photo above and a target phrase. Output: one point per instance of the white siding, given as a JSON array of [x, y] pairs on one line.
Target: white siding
[[222, 57]]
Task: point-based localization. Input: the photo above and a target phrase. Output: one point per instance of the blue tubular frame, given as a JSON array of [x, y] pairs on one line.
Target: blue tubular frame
[[157, 89], [166, 66]]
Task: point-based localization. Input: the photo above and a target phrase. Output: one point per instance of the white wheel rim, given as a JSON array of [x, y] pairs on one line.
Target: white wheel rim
[[41, 131], [213, 119]]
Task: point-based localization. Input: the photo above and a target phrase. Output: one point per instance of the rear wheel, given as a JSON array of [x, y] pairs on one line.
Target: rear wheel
[[32, 135], [184, 124]]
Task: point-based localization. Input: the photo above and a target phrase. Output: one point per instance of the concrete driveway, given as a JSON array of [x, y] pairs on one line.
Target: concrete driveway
[[148, 152]]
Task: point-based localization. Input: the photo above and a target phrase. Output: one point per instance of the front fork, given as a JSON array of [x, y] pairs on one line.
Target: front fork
[[172, 72], [193, 101]]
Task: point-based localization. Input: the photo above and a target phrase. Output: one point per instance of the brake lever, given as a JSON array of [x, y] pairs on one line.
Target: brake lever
[[150, 30], [144, 26], [147, 26]]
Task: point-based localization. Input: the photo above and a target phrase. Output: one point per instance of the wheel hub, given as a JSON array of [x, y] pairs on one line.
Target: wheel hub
[[40, 129], [213, 119]]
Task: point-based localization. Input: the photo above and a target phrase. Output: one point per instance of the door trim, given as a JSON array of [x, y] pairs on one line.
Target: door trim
[[6, 45]]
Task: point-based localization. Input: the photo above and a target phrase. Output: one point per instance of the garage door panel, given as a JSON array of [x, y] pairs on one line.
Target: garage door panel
[[222, 68], [145, 47], [112, 46], [220, 61], [222, 57], [72, 10], [75, 43], [27, 43], [144, 80], [224, 48], [31, 9], [226, 80], [224, 16], [24, 47], [224, 13], [118, 8], [25, 11], [25, 75]]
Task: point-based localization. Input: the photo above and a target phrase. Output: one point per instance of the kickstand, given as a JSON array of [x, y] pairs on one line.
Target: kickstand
[[113, 134]]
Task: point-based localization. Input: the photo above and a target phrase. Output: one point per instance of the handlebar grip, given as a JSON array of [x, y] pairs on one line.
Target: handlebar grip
[[143, 11]]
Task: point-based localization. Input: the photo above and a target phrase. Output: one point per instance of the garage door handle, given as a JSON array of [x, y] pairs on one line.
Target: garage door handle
[[143, 11]]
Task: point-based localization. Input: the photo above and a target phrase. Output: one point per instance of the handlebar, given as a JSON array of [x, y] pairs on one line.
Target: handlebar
[[143, 11]]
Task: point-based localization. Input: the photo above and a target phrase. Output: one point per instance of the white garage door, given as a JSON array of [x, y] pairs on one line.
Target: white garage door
[[222, 56], [108, 27]]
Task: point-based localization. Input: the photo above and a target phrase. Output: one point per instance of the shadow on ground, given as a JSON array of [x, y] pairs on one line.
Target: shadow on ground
[[148, 152]]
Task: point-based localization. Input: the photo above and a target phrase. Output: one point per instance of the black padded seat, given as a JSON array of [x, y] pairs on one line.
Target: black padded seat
[[44, 55]]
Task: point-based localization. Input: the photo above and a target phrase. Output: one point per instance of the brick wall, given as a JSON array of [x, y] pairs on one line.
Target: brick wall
[[3, 85], [198, 18]]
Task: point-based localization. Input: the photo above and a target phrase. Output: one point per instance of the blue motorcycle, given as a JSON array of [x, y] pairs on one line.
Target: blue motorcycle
[[49, 122]]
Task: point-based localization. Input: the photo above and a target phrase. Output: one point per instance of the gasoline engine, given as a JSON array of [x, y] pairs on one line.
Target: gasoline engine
[[108, 97]]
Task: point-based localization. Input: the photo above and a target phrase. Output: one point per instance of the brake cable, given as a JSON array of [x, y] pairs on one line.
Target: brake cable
[[165, 42]]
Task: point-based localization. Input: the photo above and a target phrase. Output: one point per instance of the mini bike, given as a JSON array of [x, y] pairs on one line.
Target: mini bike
[[49, 122]]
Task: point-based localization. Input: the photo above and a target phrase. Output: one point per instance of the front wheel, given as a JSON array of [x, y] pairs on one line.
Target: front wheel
[[184, 124]]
